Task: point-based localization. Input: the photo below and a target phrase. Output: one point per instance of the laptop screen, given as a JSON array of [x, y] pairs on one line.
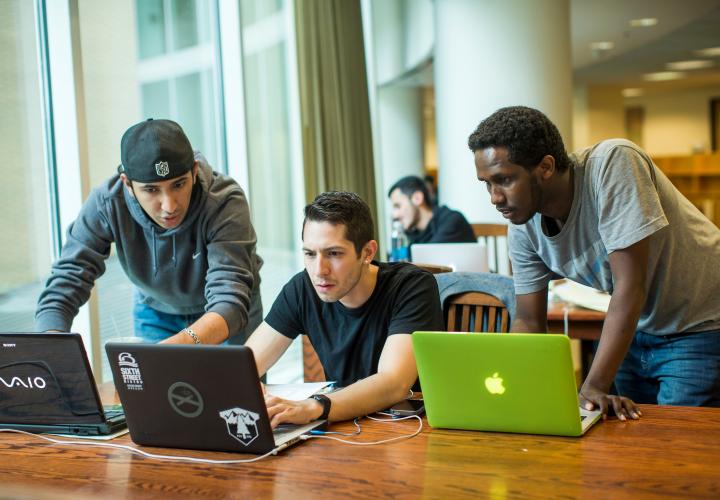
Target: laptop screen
[[470, 257], [45, 379]]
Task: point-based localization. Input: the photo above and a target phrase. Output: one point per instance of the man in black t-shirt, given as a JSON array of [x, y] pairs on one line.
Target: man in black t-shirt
[[357, 313], [422, 222]]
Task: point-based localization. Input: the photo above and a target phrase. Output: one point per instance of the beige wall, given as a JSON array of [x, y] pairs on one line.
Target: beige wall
[[24, 225], [108, 37], [605, 114], [580, 122], [677, 123]]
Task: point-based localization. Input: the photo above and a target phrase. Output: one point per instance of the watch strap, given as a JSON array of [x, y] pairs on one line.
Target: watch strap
[[325, 402]]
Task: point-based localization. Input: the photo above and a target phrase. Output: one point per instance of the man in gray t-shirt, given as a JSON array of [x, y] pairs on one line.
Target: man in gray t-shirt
[[607, 217]]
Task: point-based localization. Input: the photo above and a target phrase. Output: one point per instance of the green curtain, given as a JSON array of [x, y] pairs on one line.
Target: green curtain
[[335, 113]]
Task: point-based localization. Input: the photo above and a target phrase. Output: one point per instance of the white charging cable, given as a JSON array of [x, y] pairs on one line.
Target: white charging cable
[[371, 443], [274, 451], [141, 452]]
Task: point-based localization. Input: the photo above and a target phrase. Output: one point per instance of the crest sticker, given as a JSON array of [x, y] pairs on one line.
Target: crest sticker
[[162, 168], [241, 424]]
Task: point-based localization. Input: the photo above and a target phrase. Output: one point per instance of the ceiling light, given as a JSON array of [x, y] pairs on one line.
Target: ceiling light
[[686, 65], [709, 52], [602, 45], [632, 92], [663, 76], [643, 22]]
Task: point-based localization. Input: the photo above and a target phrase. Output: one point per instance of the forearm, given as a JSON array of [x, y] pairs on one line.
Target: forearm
[[267, 345], [371, 394], [520, 325], [210, 328], [531, 314], [68, 287], [617, 334]]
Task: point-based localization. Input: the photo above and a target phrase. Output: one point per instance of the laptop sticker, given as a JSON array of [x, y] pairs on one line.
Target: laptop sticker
[[241, 424], [185, 400], [130, 372]]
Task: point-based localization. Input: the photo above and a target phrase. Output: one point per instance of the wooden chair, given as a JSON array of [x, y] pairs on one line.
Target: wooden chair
[[490, 233], [476, 312], [434, 268], [312, 368]]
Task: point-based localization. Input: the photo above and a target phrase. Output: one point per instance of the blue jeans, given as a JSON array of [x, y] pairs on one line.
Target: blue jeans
[[153, 326], [681, 369]]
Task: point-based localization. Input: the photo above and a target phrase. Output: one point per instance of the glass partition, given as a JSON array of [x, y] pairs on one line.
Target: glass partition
[[25, 234]]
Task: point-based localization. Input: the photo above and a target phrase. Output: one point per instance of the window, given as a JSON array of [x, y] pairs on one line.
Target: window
[[150, 58], [25, 223], [275, 170], [138, 59]]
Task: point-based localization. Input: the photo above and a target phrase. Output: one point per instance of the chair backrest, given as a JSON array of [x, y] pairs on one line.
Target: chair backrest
[[476, 312], [312, 368], [434, 268], [490, 234]]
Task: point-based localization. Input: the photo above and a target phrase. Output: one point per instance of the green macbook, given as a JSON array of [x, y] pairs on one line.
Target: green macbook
[[504, 382]]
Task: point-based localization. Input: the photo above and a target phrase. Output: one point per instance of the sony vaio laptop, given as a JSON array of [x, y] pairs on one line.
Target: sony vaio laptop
[[471, 257], [505, 382], [202, 397], [46, 385]]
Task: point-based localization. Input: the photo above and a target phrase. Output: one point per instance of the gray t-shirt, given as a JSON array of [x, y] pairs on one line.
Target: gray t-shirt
[[620, 198]]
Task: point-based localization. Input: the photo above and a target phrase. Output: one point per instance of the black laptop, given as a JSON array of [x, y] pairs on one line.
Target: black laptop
[[202, 397], [46, 385]]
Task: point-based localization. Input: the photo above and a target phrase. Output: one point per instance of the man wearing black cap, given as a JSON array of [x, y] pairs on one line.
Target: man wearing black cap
[[183, 235]]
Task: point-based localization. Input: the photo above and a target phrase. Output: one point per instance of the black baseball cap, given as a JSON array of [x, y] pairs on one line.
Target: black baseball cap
[[155, 150]]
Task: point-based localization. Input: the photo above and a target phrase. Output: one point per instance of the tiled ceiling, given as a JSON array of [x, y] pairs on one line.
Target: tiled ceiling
[[683, 27]]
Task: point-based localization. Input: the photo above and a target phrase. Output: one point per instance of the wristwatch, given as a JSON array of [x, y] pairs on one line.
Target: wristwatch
[[325, 402]]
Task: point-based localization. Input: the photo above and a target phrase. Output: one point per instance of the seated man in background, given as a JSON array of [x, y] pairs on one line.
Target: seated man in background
[[422, 223], [183, 237], [358, 314], [608, 218]]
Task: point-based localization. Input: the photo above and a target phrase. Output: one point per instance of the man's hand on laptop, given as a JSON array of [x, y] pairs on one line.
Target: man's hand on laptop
[[283, 411], [592, 398]]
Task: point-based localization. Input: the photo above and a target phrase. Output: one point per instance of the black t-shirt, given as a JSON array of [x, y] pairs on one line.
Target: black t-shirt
[[349, 341], [446, 226]]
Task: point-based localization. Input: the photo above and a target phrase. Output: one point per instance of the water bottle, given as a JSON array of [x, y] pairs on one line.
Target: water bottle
[[399, 250]]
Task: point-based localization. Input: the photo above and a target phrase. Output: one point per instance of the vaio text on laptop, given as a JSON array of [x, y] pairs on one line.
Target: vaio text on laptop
[[503, 382]]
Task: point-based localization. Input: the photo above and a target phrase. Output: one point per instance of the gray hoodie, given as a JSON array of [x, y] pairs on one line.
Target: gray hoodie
[[207, 263]]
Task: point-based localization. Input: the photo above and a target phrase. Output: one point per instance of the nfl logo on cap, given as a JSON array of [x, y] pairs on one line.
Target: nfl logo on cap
[[162, 168]]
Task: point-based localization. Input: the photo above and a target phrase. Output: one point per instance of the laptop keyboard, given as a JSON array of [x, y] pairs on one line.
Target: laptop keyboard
[[284, 430], [114, 412]]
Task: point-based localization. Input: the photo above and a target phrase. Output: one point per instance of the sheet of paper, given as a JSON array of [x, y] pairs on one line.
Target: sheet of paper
[[582, 295], [296, 392], [106, 437]]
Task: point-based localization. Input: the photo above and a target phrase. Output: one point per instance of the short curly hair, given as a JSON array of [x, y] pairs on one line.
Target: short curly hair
[[341, 207], [527, 134]]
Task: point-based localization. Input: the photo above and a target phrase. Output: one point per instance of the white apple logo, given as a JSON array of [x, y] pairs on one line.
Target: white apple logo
[[494, 384]]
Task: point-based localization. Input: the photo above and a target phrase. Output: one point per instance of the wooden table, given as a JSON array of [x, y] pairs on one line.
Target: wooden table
[[583, 324], [672, 451]]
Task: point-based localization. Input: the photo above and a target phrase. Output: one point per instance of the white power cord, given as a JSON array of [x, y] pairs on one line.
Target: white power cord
[[372, 443], [141, 452], [274, 451]]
